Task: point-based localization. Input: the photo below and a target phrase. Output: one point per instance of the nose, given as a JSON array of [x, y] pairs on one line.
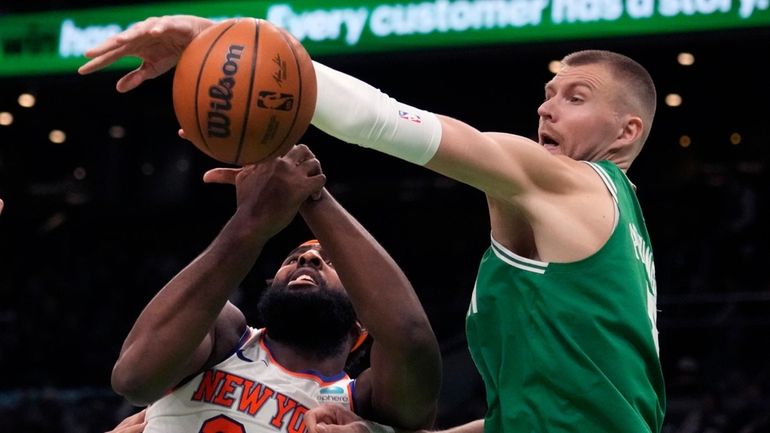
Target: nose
[[544, 110], [310, 258]]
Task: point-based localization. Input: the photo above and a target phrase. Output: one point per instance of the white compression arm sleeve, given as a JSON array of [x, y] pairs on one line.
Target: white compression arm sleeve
[[355, 112]]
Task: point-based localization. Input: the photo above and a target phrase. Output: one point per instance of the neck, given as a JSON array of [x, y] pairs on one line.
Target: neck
[[296, 359]]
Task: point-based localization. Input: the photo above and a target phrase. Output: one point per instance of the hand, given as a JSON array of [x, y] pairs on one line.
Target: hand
[[132, 424], [333, 418], [271, 192], [158, 41]]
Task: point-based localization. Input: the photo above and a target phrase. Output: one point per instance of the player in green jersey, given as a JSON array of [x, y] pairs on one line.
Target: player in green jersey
[[562, 321]]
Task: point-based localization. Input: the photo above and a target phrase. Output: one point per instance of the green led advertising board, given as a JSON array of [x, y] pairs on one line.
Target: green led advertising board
[[54, 42]]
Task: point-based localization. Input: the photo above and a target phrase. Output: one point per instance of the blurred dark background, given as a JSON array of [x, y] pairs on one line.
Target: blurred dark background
[[95, 225]]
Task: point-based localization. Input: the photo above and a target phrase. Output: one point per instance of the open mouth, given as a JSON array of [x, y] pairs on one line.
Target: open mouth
[[548, 142], [303, 279]]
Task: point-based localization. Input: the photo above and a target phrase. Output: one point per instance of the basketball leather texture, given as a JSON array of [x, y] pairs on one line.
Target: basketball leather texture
[[244, 90]]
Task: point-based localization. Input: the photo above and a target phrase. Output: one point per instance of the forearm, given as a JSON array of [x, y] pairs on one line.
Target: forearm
[[501, 165], [405, 375], [382, 294], [169, 339], [355, 112]]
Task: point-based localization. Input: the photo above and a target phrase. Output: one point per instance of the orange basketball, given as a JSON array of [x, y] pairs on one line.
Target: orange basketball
[[244, 90]]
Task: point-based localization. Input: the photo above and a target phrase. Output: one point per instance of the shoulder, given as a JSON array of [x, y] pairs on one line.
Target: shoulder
[[227, 333]]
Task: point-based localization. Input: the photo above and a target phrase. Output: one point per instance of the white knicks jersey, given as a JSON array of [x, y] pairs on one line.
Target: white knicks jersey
[[249, 392]]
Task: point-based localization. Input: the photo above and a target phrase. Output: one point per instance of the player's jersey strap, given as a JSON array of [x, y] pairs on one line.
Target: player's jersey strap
[[571, 343], [513, 259], [249, 392]]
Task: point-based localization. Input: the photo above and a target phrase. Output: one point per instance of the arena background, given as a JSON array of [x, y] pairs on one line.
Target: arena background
[[94, 226]]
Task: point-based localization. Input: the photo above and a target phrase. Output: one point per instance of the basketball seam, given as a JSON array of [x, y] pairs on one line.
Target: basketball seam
[[299, 93], [249, 94], [198, 83]]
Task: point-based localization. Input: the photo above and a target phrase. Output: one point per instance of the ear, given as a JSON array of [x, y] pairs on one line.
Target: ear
[[360, 335], [631, 130]]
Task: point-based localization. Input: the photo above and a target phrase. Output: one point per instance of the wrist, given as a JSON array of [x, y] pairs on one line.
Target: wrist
[[248, 228]]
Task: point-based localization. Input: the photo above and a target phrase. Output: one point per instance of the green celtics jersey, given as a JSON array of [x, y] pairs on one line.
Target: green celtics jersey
[[572, 347]]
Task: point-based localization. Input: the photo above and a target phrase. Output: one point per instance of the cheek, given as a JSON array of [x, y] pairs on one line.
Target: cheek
[[282, 274], [594, 128], [333, 282]]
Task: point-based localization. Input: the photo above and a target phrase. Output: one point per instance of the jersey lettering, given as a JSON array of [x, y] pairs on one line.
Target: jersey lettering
[[643, 253], [285, 404], [254, 397], [221, 388]]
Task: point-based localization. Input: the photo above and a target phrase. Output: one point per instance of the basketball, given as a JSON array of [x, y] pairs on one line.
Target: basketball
[[244, 90]]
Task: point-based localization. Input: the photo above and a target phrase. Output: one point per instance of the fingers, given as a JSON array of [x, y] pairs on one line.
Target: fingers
[[133, 79], [136, 428], [1, 205], [299, 153], [315, 184], [108, 45], [116, 47], [319, 415], [182, 134], [102, 60], [302, 156], [112, 49], [221, 175], [331, 418], [132, 424]]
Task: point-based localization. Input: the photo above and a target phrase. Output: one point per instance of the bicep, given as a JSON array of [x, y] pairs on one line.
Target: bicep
[[501, 165], [220, 341]]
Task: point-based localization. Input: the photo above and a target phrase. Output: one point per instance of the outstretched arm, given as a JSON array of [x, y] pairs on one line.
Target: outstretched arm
[[501, 165], [190, 324], [402, 385]]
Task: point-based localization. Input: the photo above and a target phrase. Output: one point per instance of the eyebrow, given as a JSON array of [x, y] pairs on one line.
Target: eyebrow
[[302, 249], [570, 85]]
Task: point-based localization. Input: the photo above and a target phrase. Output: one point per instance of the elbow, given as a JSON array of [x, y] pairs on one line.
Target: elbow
[[420, 348], [418, 337], [128, 383]]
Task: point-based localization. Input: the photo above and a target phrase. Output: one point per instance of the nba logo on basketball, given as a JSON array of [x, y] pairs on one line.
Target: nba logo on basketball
[[409, 116], [275, 101]]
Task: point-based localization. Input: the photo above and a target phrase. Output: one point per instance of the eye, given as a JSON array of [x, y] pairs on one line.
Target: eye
[[575, 98], [290, 260]]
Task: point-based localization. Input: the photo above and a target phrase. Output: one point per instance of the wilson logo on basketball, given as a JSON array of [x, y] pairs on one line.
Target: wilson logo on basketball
[[221, 93], [275, 100], [244, 90]]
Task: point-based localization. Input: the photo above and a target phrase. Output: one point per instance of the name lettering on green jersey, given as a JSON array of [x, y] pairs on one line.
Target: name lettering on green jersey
[[643, 253]]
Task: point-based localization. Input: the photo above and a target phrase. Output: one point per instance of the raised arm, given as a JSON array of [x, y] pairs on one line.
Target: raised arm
[[501, 165], [190, 324], [401, 387]]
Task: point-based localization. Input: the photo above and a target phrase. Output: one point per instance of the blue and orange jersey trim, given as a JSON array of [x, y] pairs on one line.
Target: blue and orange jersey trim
[[306, 374]]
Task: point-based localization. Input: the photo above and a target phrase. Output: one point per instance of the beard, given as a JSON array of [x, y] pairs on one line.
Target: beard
[[315, 322]]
